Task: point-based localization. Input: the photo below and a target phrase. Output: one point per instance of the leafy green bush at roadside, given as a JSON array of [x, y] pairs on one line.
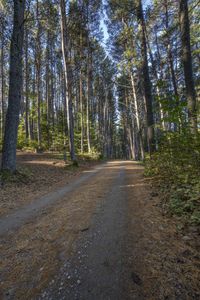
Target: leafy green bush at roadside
[[176, 168]]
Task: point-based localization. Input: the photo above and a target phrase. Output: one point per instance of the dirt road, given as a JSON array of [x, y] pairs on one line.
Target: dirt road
[[100, 237]]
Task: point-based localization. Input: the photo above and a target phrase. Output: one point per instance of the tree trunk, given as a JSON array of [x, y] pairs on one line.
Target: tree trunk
[[47, 92], [67, 78], [26, 86], [146, 80], [2, 82], [187, 65], [81, 107], [169, 51], [15, 87], [138, 125], [88, 100], [38, 79], [155, 73]]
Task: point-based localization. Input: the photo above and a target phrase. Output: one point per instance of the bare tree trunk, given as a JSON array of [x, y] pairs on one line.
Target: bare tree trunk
[[51, 115], [2, 82], [38, 78], [155, 73], [48, 96], [146, 80], [169, 51], [67, 77], [26, 87], [81, 107], [88, 101], [187, 65], [31, 121], [138, 123], [132, 151], [15, 86], [170, 59], [64, 107]]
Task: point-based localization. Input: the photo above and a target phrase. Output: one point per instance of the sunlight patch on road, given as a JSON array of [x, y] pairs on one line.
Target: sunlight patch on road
[[131, 185], [89, 171]]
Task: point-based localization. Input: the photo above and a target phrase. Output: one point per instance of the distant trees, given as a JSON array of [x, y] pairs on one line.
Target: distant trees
[[63, 95], [156, 86]]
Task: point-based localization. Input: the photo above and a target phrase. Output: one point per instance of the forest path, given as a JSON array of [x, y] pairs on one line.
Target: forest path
[[98, 267], [21, 215], [70, 243], [102, 238]]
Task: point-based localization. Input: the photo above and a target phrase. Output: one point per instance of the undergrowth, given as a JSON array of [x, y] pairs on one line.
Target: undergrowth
[[175, 168]]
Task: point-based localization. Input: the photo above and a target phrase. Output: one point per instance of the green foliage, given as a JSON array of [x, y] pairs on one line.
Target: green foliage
[[176, 165], [172, 107], [93, 155], [195, 217], [185, 200], [31, 145], [21, 141]]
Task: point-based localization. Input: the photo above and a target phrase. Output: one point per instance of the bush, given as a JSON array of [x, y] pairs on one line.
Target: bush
[[176, 165]]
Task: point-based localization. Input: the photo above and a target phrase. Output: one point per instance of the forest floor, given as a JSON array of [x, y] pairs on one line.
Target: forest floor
[[38, 175], [102, 235]]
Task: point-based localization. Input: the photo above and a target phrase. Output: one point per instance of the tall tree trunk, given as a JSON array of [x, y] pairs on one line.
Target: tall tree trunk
[[51, 115], [169, 51], [32, 102], [171, 60], [137, 117], [88, 99], [128, 119], [81, 107], [146, 79], [15, 87], [155, 73], [47, 79], [68, 74], [26, 86], [38, 78], [2, 82], [187, 65]]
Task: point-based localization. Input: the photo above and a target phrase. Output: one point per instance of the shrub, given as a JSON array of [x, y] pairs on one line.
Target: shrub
[[176, 165]]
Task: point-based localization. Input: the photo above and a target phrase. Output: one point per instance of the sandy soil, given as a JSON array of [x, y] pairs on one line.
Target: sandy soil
[[104, 239]]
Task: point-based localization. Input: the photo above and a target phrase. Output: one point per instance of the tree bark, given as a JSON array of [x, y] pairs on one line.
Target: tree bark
[[26, 86], [2, 81], [138, 125], [88, 98], [38, 79], [81, 107], [15, 87], [187, 65], [146, 79], [68, 74]]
